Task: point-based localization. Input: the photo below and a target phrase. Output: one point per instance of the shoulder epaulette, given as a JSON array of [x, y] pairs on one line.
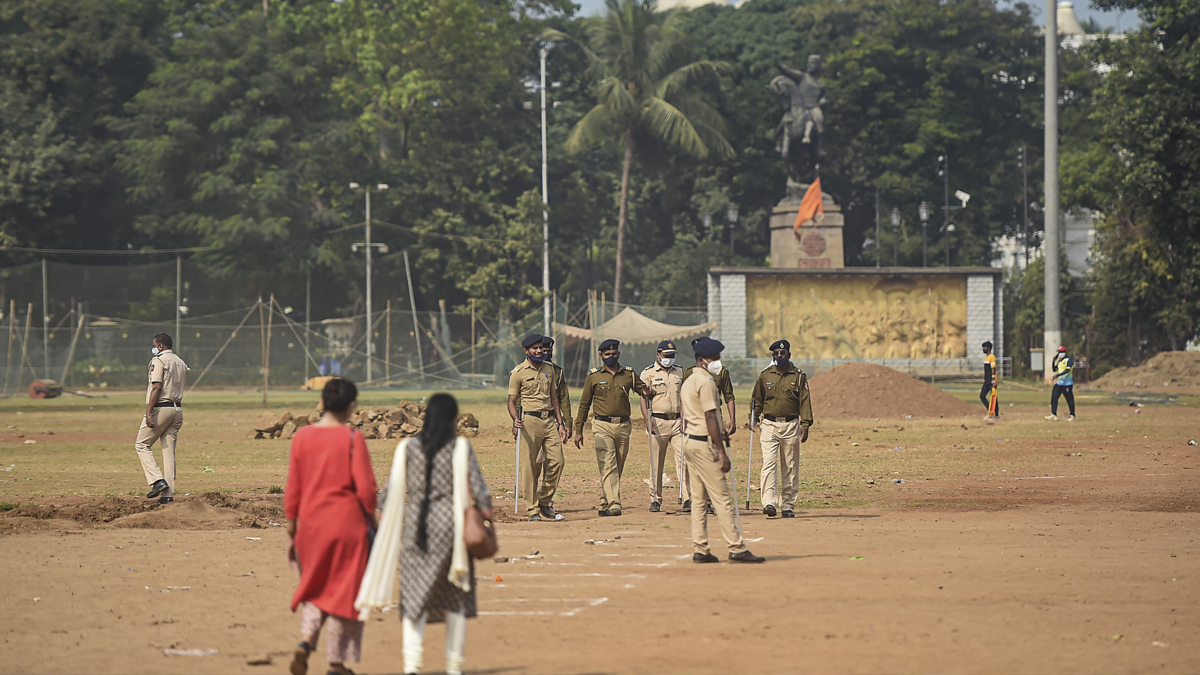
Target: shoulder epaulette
[[628, 368], [594, 370]]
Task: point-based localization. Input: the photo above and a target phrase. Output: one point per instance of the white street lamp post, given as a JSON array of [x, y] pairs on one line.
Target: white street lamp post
[[368, 246], [545, 206]]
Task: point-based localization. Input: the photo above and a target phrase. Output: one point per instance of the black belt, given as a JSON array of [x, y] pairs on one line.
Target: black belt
[[612, 420], [665, 416], [788, 418], [168, 404], [543, 414], [697, 438]]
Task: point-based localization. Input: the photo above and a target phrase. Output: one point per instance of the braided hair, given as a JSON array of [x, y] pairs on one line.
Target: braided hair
[[437, 433]]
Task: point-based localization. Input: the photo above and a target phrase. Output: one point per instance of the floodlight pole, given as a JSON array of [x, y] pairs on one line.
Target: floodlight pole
[[946, 203], [45, 322], [368, 240], [878, 262], [545, 206], [1052, 336], [178, 298]]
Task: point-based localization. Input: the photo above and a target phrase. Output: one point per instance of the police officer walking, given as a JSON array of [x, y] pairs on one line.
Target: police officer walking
[[163, 418], [782, 400], [560, 379], [533, 404], [660, 409], [607, 389], [704, 448], [725, 387]]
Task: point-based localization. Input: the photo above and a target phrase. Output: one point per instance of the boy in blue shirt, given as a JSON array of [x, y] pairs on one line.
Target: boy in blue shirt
[[1064, 386]]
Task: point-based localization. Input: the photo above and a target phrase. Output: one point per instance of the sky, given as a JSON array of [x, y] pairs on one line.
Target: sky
[[1083, 9]]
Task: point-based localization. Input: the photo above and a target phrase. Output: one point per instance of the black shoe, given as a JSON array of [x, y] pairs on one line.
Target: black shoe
[[614, 512], [709, 510], [166, 500], [746, 557], [769, 510], [603, 513], [654, 507], [156, 488], [704, 558], [535, 518], [687, 506], [548, 513], [788, 513]]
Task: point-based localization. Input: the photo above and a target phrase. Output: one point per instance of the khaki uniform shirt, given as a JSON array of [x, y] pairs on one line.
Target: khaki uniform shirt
[[665, 384], [609, 393], [697, 397], [169, 369], [724, 384], [564, 394], [783, 393], [532, 385]]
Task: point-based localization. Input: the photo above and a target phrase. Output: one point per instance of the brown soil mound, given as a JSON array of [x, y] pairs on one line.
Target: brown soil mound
[[867, 391], [1167, 369], [211, 510], [193, 514]]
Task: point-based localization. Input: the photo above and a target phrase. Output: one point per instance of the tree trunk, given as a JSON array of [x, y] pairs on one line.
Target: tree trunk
[[621, 216]]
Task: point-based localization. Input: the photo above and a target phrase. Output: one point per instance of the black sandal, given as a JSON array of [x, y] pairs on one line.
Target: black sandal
[[300, 659]]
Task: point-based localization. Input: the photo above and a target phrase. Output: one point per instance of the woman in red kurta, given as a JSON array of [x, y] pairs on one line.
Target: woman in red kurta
[[330, 502]]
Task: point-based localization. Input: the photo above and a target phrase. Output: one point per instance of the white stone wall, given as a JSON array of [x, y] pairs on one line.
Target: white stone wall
[[731, 313], [981, 313], [714, 303]]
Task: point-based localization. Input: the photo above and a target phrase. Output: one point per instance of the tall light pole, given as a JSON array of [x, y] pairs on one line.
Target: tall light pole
[[368, 246], [878, 241], [944, 171], [923, 212], [1052, 335], [731, 215], [542, 51], [1023, 162], [895, 237]]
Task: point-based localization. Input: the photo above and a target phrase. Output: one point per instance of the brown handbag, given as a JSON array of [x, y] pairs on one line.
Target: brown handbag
[[478, 534]]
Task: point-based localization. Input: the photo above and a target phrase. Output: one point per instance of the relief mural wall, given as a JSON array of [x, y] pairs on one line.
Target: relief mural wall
[[870, 317]]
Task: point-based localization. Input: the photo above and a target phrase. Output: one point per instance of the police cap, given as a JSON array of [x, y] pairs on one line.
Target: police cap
[[666, 347], [781, 344], [609, 344], [707, 347], [531, 340], [547, 342]]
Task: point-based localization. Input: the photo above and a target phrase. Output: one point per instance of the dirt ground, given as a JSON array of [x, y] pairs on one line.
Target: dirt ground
[[1023, 546]]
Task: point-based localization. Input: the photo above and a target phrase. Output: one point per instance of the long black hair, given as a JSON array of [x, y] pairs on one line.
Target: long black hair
[[437, 433]]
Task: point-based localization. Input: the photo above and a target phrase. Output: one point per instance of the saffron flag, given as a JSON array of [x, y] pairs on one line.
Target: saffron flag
[[810, 206]]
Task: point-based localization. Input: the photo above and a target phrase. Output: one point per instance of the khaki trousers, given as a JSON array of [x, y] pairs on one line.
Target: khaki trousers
[[780, 461], [167, 422], [612, 447], [542, 454], [668, 433], [708, 484]]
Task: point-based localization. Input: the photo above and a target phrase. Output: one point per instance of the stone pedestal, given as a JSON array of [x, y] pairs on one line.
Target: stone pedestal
[[816, 245]]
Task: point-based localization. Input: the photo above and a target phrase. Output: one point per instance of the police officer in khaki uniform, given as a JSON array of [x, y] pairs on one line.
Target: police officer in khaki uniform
[[560, 379], [660, 409], [537, 419], [725, 387], [163, 418], [607, 389], [782, 400], [704, 447]]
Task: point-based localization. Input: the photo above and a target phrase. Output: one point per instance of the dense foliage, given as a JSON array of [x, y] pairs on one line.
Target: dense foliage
[[128, 123]]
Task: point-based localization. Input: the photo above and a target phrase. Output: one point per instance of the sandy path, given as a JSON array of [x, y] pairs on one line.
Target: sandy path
[[1039, 589]]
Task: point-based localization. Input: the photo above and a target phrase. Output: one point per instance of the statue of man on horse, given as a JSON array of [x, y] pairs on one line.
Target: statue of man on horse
[[798, 135]]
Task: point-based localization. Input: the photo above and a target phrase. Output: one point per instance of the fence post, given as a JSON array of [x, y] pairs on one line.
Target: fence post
[[387, 346], [12, 335], [412, 304], [25, 350], [45, 323]]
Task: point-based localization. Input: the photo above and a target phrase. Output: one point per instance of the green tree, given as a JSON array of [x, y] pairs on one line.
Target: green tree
[[1140, 166], [644, 75]]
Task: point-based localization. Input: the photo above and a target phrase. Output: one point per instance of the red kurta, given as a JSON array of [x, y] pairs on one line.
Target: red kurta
[[324, 493]]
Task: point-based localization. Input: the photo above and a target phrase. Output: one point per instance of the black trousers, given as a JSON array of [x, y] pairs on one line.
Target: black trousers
[[985, 395], [1067, 391]]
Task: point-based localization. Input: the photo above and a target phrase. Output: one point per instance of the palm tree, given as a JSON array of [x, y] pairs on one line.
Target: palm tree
[[640, 61]]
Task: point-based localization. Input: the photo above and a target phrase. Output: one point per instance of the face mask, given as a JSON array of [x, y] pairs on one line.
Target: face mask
[[779, 362], [714, 367], [667, 361], [154, 351], [536, 359], [611, 361]]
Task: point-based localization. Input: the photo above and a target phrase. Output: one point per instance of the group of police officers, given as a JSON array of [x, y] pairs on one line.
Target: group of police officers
[[682, 409]]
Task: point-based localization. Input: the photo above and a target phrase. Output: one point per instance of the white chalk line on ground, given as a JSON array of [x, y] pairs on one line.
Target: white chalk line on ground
[[594, 602]]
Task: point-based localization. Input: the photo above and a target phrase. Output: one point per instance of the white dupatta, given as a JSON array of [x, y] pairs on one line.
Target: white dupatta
[[379, 581]]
